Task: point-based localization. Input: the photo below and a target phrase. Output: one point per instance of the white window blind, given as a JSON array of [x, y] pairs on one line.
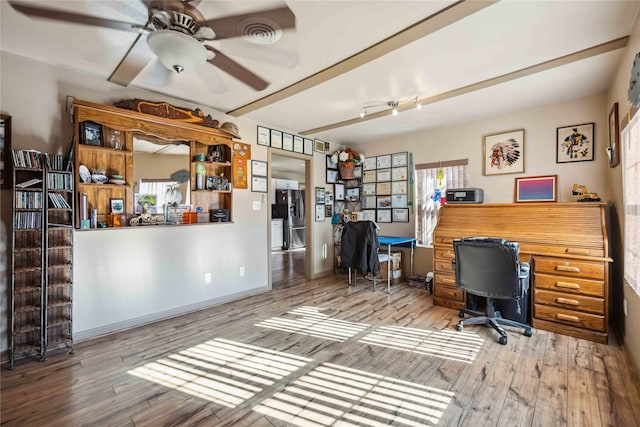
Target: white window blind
[[631, 200], [431, 178]]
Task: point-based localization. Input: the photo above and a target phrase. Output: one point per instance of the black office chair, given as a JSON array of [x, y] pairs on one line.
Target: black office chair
[[489, 267]]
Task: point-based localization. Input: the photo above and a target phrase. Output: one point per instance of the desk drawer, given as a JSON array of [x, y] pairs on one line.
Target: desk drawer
[[449, 292], [443, 265], [571, 302], [570, 267], [563, 250], [445, 279], [571, 285], [444, 254], [569, 317]]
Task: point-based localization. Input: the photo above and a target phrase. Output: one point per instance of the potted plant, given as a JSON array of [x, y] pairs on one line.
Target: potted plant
[[347, 160]]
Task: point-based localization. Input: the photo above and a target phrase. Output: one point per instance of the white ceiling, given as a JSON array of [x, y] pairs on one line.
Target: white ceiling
[[457, 51]]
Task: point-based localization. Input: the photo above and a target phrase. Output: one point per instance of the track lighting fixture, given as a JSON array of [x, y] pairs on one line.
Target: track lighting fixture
[[394, 108], [417, 104], [391, 105]]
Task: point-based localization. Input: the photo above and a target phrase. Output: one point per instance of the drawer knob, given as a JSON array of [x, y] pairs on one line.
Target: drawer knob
[[567, 301], [567, 285], [576, 251], [561, 316], [567, 268]]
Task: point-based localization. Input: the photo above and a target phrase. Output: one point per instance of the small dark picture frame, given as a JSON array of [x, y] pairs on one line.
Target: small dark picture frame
[[613, 149], [91, 133], [117, 206]]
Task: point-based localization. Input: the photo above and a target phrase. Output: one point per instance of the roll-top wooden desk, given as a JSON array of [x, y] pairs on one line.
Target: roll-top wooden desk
[[567, 246]]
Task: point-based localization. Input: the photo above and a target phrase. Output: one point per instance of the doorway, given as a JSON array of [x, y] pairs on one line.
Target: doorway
[[289, 204]]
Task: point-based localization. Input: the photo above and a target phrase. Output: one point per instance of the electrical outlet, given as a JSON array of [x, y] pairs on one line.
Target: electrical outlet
[[624, 307], [241, 272], [207, 278], [256, 205]]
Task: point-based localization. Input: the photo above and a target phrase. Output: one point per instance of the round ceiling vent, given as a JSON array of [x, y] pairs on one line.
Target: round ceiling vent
[[259, 30]]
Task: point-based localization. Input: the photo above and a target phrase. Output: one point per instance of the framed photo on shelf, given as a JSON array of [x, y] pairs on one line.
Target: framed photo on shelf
[[399, 159], [258, 168], [400, 215], [330, 164], [613, 150], [263, 136], [259, 184], [320, 195], [276, 139], [320, 212], [91, 133], [287, 141], [308, 146], [369, 163], [536, 189], [318, 146], [332, 176], [339, 191], [117, 206], [383, 215], [357, 172], [298, 144], [353, 194], [503, 152], [383, 162], [575, 143]]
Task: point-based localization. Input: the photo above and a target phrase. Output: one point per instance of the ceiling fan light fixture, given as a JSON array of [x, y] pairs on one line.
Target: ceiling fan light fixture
[[177, 51]]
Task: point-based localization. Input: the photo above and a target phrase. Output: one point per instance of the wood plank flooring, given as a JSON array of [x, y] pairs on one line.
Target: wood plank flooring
[[324, 354], [287, 268]]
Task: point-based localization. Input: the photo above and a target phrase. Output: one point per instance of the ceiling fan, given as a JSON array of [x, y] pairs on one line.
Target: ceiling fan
[[176, 33]]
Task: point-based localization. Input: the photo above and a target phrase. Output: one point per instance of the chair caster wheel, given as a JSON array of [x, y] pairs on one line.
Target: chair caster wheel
[[527, 332], [461, 314], [502, 340], [459, 327]]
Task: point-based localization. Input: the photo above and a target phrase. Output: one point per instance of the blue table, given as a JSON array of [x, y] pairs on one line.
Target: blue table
[[405, 242]]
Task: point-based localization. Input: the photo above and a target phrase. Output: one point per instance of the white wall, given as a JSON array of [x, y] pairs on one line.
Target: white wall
[[124, 277], [618, 93]]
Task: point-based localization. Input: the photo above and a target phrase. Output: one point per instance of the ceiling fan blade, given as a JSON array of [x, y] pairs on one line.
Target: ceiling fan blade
[[136, 58], [236, 70], [76, 18], [231, 26]]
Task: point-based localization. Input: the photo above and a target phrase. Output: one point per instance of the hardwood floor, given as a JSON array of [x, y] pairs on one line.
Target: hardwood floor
[[287, 268], [324, 354]]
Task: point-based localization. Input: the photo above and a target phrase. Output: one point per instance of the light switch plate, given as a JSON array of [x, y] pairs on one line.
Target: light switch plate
[[256, 205]]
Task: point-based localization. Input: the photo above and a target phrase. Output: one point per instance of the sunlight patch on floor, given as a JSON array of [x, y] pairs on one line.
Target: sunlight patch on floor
[[334, 395], [452, 345], [221, 371], [311, 321]]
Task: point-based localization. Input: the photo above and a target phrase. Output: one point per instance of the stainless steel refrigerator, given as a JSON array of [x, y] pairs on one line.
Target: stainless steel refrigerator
[[290, 206]]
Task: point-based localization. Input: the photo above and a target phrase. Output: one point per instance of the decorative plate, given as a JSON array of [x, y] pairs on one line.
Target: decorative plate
[[117, 181], [85, 175]]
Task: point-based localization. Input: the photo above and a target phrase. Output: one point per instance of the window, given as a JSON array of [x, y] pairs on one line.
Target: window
[[631, 200], [432, 181]]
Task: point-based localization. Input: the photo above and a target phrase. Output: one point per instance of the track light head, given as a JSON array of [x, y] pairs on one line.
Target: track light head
[[363, 113], [417, 104], [394, 107]]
